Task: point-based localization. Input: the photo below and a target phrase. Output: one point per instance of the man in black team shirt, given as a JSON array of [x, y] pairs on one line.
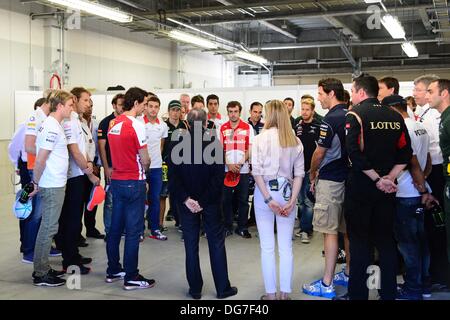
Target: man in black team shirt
[[173, 123], [307, 130], [105, 155], [379, 148]]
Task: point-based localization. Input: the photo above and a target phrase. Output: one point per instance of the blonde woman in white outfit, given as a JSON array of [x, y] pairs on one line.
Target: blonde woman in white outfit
[[278, 169]]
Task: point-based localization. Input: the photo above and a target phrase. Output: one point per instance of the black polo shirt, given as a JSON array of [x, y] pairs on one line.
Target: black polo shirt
[[102, 134]]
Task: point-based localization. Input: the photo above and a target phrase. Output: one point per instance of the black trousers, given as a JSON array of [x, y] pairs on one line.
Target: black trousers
[[212, 223], [369, 215], [70, 221], [24, 180], [439, 265]]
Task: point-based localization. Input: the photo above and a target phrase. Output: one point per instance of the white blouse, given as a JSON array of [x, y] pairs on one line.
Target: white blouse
[[271, 161]]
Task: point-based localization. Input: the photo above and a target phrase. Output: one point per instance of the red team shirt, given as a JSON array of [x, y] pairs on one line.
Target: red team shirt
[[236, 142], [126, 137]]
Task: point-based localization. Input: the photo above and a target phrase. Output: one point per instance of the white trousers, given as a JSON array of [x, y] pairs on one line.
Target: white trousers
[[285, 226]]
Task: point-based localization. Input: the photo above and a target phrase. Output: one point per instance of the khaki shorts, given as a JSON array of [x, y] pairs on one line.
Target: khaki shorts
[[329, 207]]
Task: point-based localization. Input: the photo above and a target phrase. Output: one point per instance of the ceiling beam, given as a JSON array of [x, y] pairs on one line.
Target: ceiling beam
[[331, 44]]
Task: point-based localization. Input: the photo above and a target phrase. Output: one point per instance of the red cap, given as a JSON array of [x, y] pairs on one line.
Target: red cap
[[97, 196]]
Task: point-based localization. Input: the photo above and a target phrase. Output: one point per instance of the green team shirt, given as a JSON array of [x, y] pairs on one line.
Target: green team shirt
[[444, 141]]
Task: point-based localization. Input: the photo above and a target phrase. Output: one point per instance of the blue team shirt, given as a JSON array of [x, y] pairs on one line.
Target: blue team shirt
[[334, 166]]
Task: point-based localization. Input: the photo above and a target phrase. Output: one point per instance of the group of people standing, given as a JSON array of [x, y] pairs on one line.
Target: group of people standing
[[360, 171]]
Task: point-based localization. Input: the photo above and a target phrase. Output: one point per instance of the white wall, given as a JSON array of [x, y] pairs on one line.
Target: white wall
[[99, 59]]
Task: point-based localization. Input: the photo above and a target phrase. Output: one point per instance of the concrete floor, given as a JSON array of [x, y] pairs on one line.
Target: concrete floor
[[160, 260]]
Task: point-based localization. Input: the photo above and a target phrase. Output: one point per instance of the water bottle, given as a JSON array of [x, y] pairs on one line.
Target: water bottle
[[438, 215], [25, 195]]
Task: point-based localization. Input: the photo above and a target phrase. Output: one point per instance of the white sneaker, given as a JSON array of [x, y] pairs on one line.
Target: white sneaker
[[304, 237]]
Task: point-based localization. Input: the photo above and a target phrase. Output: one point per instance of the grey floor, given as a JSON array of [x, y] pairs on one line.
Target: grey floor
[[160, 260]]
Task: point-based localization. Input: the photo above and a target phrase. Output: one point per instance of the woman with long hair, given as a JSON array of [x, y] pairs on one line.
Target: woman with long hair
[[278, 169]]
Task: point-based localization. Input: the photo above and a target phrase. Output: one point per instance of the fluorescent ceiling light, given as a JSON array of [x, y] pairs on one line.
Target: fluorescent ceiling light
[[201, 31], [189, 38], [410, 49], [372, 1], [251, 57], [393, 26], [95, 9]]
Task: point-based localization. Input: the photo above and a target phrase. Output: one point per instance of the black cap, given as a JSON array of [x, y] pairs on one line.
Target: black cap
[[393, 100], [174, 104]]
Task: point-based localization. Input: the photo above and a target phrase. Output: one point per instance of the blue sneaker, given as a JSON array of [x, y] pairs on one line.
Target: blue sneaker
[[340, 279], [28, 258], [55, 252], [318, 289]]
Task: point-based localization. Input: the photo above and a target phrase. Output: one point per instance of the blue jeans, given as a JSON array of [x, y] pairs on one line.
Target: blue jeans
[[154, 180], [305, 207], [128, 215], [412, 243], [31, 226], [107, 210]]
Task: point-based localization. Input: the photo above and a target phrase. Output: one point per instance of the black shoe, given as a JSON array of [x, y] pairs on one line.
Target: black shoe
[[169, 218], [82, 243], [195, 296], [110, 278], [96, 235], [230, 292], [53, 273], [83, 269], [85, 260], [48, 281], [244, 234], [139, 283], [228, 233]]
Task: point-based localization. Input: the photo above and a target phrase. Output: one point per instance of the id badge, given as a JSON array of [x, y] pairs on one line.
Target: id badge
[[273, 185], [448, 168]]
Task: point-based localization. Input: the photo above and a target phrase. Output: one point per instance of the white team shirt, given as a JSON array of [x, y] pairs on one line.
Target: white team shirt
[[51, 137], [420, 142], [431, 118], [89, 140], [34, 122], [154, 132], [74, 134]]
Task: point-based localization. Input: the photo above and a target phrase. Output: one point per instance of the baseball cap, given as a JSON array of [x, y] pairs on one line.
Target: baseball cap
[[97, 196], [393, 100], [231, 179], [22, 210], [174, 104]]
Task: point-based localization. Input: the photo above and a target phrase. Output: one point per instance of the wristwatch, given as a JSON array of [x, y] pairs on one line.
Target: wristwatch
[[266, 201]]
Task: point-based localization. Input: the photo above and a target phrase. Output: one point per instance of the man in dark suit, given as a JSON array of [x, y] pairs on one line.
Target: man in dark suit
[[198, 181]]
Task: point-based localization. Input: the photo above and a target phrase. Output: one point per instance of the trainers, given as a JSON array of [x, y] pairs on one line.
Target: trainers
[[340, 279], [48, 281], [110, 278], [141, 238], [138, 283], [228, 233], [342, 297], [318, 289], [244, 234], [82, 269], [304, 237], [52, 272], [28, 258], [55, 252], [169, 218], [298, 233], [163, 229], [157, 234]]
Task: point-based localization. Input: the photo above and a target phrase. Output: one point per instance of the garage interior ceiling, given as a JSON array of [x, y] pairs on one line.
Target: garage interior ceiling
[[317, 37]]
